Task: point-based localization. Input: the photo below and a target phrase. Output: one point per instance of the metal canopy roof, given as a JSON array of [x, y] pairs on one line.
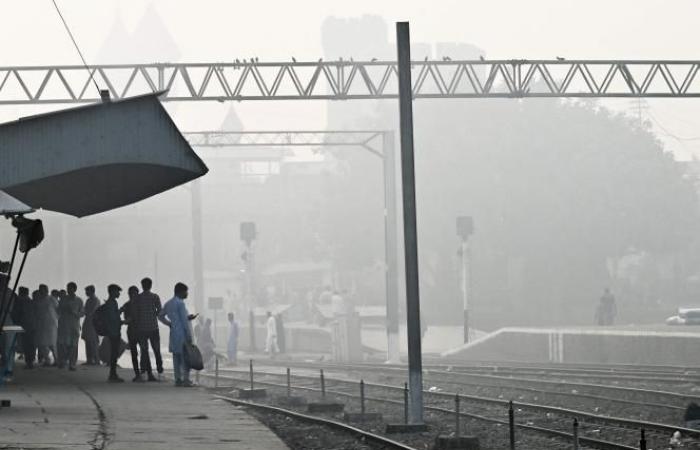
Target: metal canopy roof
[[91, 159], [11, 206]]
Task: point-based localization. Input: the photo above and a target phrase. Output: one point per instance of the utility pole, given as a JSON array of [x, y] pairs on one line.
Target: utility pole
[[391, 248], [248, 235], [197, 260], [465, 227], [408, 182]]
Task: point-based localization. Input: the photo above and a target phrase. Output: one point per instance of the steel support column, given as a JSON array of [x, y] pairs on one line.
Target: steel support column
[[408, 182]]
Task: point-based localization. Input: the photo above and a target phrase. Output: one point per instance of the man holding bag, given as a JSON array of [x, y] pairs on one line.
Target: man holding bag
[[174, 315]]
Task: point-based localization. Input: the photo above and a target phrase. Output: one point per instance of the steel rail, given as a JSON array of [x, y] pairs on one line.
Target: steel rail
[[381, 368], [619, 422], [389, 443], [595, 443]]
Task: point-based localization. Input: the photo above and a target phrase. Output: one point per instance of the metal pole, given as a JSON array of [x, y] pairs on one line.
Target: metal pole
[[251, 326], [362, 397], [323, 385], [391, 248], [415, 369], [251, 374], [405, 403], [216, 372], [457, 415], [511, 425], [643, 441], [575, 434], [289, 382], [465, 287], [197, 258]]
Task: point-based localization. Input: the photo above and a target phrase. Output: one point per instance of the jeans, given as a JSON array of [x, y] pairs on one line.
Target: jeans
[[154, 338], [182, 371], [114, 343]]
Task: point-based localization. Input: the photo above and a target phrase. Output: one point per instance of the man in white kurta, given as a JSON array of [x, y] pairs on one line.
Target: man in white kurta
[[271, 341]]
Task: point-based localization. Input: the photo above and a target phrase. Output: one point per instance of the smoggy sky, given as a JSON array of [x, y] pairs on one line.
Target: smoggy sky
[[205, 30]]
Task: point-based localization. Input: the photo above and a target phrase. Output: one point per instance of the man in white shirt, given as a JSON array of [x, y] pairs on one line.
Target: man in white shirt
[[271, 342]]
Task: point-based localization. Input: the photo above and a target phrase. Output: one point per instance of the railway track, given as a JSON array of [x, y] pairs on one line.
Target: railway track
[[440, 375], [561, 435], [363, 435]]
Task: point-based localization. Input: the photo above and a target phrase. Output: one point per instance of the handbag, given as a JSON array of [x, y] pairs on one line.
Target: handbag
[[193, 357]]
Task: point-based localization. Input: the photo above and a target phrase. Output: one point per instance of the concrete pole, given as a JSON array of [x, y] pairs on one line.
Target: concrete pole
[[465, 287], [391, 248], [408, 182], [197, 264]]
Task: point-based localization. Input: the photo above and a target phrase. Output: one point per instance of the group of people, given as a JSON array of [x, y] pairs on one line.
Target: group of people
[[51, 325], [53, 322]]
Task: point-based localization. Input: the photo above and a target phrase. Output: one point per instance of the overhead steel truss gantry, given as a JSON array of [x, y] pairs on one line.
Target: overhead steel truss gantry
[[346, 80]]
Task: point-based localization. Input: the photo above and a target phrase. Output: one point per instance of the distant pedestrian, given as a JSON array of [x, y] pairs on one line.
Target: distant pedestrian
[[113, 326], [281, 341], [24, 315], [46, 334], [271, 347], [89, 335], [606, 312], [232, 344], [206, 343], [134, 339], [175, 316], [198, 328], [70, 310], [148, 307]]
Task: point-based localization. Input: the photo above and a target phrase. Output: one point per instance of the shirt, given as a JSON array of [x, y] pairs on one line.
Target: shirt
[[146, 309]]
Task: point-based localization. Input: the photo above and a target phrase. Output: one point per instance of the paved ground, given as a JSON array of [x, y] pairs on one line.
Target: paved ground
[[57, 409]]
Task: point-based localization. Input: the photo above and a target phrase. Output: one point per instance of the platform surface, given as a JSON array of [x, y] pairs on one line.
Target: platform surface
[[58, 409]]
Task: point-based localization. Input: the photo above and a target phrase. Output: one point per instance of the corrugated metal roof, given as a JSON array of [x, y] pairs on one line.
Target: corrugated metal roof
[[86, 160]]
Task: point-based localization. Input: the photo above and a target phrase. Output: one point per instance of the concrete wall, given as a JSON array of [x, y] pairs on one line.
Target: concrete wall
[[657, 346]]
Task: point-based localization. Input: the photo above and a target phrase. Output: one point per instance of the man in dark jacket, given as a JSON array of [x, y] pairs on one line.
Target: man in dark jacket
[[113, 326], [147, 310], [24, 315], [89, 335]]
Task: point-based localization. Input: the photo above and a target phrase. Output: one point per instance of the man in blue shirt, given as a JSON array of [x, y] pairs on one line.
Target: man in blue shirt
[[174, 314]]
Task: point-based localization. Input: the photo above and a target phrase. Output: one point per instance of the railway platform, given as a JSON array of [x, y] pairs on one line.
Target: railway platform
[[58, 409]]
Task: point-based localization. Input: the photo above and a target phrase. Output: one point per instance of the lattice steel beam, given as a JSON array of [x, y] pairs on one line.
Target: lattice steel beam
[[282, 138], [344, 80]]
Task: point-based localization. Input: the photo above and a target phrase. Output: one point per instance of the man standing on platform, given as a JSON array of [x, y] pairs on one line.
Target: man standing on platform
[[232, 347], [147, 310], [113, 326], [24, 315], [271, 347], [89, 335], [70, 310], [175, 316]]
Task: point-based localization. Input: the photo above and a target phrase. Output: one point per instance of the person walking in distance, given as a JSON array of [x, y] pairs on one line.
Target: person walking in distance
[[607, 309], [147, 310], [271, 347], [175, 316], [70, 310], [132, 335], [232, 344], [113, 326], [89, 335]]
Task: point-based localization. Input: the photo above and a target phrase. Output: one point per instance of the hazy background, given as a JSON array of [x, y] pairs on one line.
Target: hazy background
[[567, 197]]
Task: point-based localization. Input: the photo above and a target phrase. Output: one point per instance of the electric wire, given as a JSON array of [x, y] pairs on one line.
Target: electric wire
[[75, 44]]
